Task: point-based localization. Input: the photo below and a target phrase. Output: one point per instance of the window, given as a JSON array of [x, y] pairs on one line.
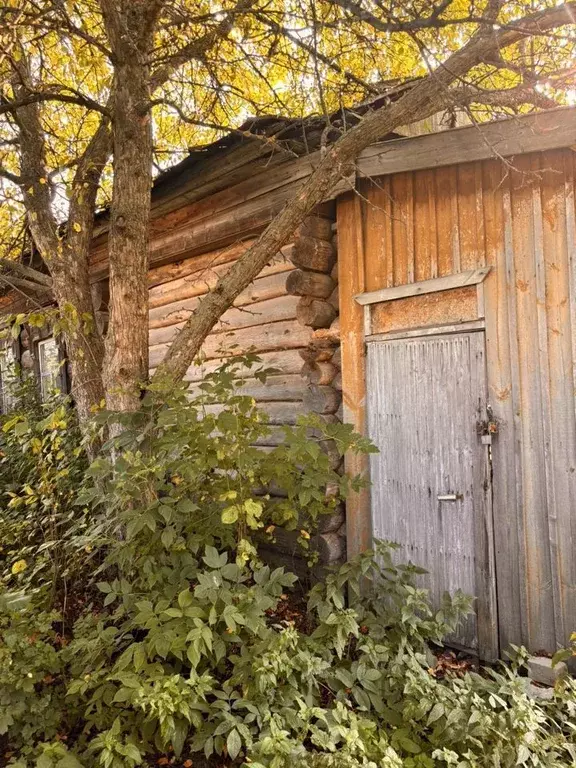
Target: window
[[48, 367], [7, 376]]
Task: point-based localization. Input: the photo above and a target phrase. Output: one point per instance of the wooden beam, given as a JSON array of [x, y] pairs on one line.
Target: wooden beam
[[351, 278], [459, 280], [552, 129]]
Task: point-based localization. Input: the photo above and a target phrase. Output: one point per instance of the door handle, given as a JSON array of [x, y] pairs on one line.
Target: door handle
[[449, 496]]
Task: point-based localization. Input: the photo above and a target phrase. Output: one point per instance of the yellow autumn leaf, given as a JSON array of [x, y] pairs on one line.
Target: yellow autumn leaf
[[76, 227], [19, 566]]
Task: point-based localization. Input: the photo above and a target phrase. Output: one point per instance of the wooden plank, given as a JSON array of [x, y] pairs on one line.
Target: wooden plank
[[469, 218], [378, 242], [263, 288], [425, 246], [253, 315], [437, 330], [447, 223], [470, 277], [262, 338], [351, 280], [503, 386], [401, 220], [540, 602], [530, 133], [557, 200], [545, 396], [440, 308]]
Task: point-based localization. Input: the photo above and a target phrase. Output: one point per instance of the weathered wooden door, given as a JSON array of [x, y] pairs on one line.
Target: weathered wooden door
[[431, 480]]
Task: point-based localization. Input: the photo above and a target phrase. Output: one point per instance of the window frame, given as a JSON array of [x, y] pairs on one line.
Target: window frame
[[59, 380], [9, 352]]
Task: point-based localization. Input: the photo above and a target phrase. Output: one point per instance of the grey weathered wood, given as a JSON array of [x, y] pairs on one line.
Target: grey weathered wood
[[446, 283], [530, 133], [425, 397], [321, 399]]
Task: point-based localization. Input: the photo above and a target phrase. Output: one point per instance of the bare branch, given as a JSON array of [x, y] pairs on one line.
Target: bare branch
[[26, 273]]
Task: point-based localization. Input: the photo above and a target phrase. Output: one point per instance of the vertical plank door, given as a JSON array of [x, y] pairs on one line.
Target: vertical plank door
[[431, 492]]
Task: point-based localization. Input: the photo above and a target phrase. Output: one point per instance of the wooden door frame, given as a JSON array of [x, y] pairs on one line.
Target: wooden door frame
[[355, 333], [486, 605]]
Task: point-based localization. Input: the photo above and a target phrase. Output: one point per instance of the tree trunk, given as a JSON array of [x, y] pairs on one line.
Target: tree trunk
[[126, 359], [66, 257]]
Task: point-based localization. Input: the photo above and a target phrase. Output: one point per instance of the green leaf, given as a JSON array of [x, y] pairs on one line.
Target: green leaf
[[230, 514], [185, 599], [436, 713], [234, 744]]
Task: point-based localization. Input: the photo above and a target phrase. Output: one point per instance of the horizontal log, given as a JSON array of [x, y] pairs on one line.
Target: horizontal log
[[334, 299], [315, 313], [321, 399], [288, 361], [304, 283], [312, 253], [278, 412], [269, 287], [276, 387], [319, 373], [217, 231], [201, 282], [318, 227], [332, 523], [327, 336], [261, 338], [330, 546], [314, 353], [260, 313], [188, 266]]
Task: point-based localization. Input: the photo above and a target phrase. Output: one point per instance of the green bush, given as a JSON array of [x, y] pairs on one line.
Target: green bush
[[181, 639]]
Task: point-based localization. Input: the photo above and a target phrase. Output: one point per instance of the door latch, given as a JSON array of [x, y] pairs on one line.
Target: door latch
[[486, 428], [449, 496]]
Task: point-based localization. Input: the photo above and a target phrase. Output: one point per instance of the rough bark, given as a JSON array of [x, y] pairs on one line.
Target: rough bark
[[126, 358], [428, 96], [66, 257]]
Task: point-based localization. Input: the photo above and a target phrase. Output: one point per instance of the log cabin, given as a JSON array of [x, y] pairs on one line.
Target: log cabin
[[431, 302]]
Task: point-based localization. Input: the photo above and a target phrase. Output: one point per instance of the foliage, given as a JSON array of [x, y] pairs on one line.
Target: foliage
[[182, 643], [42, 463]]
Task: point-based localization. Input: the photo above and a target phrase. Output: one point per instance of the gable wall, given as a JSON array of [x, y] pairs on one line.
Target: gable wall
[[519, 218]]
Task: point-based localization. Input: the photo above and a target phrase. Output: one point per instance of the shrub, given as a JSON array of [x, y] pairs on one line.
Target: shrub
[[185, 641]]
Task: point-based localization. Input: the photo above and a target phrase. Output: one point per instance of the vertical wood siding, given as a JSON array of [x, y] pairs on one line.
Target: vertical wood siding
[[518, 217]]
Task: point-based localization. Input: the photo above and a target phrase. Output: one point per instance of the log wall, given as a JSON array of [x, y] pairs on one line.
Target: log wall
[[288, 316]]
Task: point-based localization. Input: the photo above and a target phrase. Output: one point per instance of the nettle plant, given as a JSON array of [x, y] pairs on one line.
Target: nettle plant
[[182, 644]]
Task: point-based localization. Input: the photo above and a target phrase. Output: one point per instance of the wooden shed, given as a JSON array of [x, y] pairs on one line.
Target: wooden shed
[[435, 309]]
